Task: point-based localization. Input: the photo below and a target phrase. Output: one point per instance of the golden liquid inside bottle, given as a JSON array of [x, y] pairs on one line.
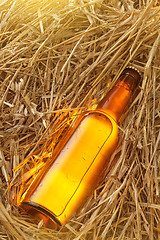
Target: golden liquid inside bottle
[[64, 185]]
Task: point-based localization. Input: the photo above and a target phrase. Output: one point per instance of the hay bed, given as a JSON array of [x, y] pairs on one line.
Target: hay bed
[[58, 58]]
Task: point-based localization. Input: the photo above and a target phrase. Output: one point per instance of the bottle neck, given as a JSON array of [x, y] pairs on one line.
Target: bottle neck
[[118, 98]]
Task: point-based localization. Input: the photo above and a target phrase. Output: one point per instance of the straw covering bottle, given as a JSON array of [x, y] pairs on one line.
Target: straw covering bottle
[[66, 182]]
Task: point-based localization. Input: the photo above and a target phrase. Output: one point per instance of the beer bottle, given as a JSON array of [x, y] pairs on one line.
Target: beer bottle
[[64, 185]]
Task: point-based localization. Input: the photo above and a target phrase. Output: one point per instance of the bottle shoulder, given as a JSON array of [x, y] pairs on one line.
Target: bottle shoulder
[[108, 118], [107, 113]]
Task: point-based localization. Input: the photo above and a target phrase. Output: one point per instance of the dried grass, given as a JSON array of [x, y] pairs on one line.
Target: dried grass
[[58, 59]]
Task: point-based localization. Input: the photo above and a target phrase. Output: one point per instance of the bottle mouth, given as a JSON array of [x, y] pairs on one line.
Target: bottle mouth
[[131, 77], [135, 69]]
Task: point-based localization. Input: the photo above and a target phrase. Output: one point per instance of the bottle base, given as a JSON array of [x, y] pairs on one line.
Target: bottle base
[[39, 213]]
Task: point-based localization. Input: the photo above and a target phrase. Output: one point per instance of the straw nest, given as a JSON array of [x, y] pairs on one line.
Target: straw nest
[[58, 58]]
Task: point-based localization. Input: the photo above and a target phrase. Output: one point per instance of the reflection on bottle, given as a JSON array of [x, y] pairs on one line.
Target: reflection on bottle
[[64, 185]]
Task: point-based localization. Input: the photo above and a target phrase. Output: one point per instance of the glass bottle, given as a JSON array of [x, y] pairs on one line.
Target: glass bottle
[[64, 185]]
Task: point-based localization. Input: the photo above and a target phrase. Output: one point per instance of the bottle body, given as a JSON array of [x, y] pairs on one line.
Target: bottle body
[[78, 168], [63, 186]]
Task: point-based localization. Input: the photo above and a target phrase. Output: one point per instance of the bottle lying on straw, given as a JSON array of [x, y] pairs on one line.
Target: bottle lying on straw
[[65, 184]]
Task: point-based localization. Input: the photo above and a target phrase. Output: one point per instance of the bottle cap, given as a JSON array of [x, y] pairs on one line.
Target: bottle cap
[[134, 68], [131, 77]]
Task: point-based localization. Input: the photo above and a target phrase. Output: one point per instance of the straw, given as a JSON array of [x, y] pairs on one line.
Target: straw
[[58, 59]]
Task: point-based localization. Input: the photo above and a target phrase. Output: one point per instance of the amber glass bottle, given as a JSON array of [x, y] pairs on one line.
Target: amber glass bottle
[[67, 181]]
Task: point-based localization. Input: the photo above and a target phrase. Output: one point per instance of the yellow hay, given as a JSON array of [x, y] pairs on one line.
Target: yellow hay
[[59, 58]]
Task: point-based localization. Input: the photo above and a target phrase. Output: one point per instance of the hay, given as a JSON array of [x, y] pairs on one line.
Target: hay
[[58, 59]]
